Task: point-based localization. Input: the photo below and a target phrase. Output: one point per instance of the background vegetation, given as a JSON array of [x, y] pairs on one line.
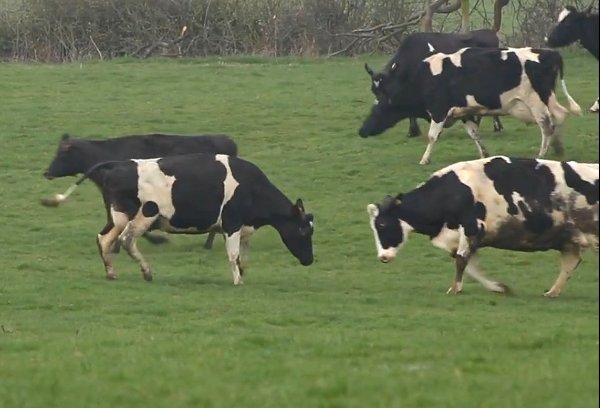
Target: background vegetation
[[344, 332], [70, 30]]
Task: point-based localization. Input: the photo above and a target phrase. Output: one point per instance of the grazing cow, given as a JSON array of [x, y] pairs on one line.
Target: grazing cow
[[473, 81], [575, 26], [194, 194], [499, 202], [417, 46], [76, 156]]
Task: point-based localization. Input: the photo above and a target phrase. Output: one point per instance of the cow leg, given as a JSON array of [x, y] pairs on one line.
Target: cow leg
[[413, 128], [435, 129], [461, 260], [559, 115], [244, 249], [473, 131], [595, 107], [543, 119], [472, 269], [497, 124], [107, 238], [569, 260], [135, 229], [209, 240], [232, 244]]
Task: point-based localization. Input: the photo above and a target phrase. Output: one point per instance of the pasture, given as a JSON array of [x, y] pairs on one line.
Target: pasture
[[344, 332]]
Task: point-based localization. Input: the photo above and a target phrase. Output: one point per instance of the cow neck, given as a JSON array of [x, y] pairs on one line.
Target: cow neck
[[275, 208], [93, 152], [589, 39], [420, 213]]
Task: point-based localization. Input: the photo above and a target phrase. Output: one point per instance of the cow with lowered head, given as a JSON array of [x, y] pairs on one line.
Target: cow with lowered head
[[473, 82], [76, 156], [194, 194], [576, 26], [418, 46], [499, 202]]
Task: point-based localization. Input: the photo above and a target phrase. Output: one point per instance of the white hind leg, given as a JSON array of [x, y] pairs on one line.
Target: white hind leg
[[143, 220], [107, 238], [473, 270], [559, 115]]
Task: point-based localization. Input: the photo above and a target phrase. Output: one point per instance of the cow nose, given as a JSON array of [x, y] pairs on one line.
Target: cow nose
[[384, 259], [48, 176]]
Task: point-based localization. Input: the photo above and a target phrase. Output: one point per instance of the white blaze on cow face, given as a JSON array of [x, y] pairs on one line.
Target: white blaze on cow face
[[154, 185], [436, 61], [229, 184], [431, 49], [376, 83], [563, 14], [387, 254]]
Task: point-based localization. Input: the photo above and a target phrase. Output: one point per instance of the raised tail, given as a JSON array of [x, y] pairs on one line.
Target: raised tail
[[60, 198], [573, 106]]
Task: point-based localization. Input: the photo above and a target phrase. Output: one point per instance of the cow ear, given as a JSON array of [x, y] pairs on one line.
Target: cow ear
[[300, 205], [65, 136], [399, 198]]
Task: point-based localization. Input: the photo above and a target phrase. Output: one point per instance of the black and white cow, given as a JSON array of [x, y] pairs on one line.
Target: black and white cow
[[499, 202], [573, 26], [417, 46], [473, 81], [194, 194], [76, 156]]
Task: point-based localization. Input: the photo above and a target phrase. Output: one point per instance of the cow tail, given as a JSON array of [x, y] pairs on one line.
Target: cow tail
[[573, 106], [60, 198]]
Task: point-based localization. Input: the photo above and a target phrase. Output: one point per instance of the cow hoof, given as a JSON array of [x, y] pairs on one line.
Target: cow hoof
[[550, 294], [207, 246], [424, 162], [502, 288], [147, 276], [111, 276]]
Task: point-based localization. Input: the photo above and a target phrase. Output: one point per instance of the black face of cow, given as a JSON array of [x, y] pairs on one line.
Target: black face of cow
[[67, 161], [296, 233], [386, 86], [381, 118], [568, 28], [387, 228]]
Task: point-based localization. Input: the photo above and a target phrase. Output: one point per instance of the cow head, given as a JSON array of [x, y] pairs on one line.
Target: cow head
[[568, 28], [386, 86], [67, 161], [296, 233], [389, 230]]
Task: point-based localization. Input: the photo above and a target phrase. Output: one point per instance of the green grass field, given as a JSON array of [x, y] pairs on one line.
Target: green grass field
[[344, 332]]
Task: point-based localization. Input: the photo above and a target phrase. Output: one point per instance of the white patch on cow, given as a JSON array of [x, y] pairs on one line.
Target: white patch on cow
[[376, 102], [447, 239], [154, 185], [436, 61], [524, 54], [563, 14], [471, 101], [431, 48], [229, 184], [376, 83], [520, 202], [595, 107], [394, 65]]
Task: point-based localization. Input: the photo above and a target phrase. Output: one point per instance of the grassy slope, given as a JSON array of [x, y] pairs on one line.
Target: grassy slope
[[346, 331]]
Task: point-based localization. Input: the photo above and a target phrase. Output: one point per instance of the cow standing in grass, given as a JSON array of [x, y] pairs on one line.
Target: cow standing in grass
[[76, 156], [194, 194], [417, 46], [573, 26], [473, 82], [499, 202]]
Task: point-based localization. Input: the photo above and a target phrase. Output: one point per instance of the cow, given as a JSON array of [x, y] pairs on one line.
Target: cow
[[513, 204], [76, 156], [418, 46], [194, 194], [473, 81], [573, 26]]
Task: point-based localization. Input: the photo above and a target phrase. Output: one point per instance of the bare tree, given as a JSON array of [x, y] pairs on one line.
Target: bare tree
[[498, 6]]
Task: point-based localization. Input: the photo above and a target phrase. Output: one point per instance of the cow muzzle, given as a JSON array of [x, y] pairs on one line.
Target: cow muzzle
[[48, 175]]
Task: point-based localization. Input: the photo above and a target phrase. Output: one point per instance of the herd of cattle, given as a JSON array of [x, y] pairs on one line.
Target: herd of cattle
[[197, 184]]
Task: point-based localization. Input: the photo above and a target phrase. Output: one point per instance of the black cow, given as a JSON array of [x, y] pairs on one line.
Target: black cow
[[417, 46], [195, 194], [76, 156], [575, 26], [499, 202], [473, 82]]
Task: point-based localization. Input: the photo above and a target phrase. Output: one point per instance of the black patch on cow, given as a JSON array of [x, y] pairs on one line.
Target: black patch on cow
[[574, 180], [543, 74], [533, 181], [150, 209]]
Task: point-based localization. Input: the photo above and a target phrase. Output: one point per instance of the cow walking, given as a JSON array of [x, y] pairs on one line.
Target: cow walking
[[76, 156], [573, 26], [474, 82], [194, 194], [417, 46], [499, 202]]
